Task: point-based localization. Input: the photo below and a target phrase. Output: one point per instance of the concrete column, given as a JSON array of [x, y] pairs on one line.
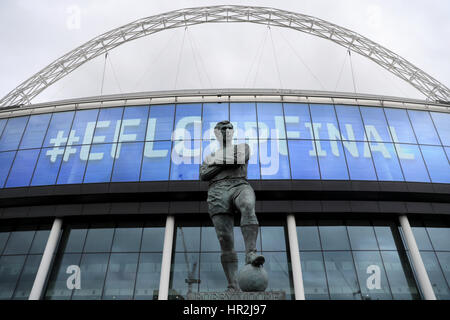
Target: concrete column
[[421, 272], [166, 259], [295, 258], [44, 267]]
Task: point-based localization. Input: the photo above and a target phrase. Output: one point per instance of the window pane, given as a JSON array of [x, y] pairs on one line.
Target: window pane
[[440, 237], [324, 122], [147, 278], [4, 235], [58, 131], [386, 162], [57, 285], [93, 270], [6, 159], [119, 284], [362, 236], [412, 163], [39, 242], [83, 126], [12, 133], [371, 275], [441, 121], [210, 241], [385, 235], [212, 275], [27, 277], [375, 124], [274, 159], [187, 239], [134, 124], [99, 239], [10, 268], [75, 239], [333, 235], [253, 169], [401, 130], [156, 161], [437, 163], [270, 121], [303, 160], [243, 118], [278, 269], [2, 125], [19, 242], [127, 166], [73, 165], [273, 239], [314, 278], [22, 168], [298, 121], [341, 275], [213, 113], [423, 127], [186, 157], [35, 131], [359, 160], [434, 272], [47, 167], [108, 125], [444, 261], [350, 123], [399, 275], [308, 235], [422, 240], [188, 122], [184, 268], [127, 239], [153, 239], [100, 163], [331, 160], [160, 123]]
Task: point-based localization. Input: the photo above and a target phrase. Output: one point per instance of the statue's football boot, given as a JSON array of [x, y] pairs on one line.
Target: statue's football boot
[[255, 259]]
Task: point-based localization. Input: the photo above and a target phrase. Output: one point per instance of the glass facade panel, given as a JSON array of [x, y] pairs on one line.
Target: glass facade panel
[[423, 127], [100, 163], [6, 160], [108, 125], [58, 130], [73, 167], [359, 161], [400, 128], [325, 125], [303, 159], [127, 165], [333, 235], [434, 271], [35, 131], [273, 238], [19, 242], [243, 118], [57, 285], [386, 162], [10, 269], [308, 235], [362, 236], [375, 124], [127, 239], [213, 113], [160, 123], [99, 239], [341, 275], [331, 160], [437, 163], [441, 121], [298, 121], [314, 276], [121, 275], [147, 278], [134, 124], [83, 127], [274, 159], [186, 156], [12, 133], [350, 122], [93, 268], [47, 167], [26, 281], [412, 163], [270, 121], [22, 169], [188, 125], [156, 161]]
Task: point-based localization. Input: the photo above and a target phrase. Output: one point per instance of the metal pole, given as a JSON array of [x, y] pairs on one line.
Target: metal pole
[[166, 259], [295, 258], [44, 267], [421, 272]]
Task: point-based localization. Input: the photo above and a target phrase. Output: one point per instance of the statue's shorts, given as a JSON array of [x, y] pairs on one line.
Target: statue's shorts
[[222, 195]]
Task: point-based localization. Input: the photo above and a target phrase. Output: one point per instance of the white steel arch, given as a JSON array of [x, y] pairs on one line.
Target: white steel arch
[[26, 91]]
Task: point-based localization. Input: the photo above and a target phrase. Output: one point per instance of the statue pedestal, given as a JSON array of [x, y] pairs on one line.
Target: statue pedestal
[[262, 295]]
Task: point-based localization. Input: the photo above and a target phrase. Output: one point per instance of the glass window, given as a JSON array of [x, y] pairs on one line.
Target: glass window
[[57, 285], [99, 239], [273, 238], [156, 162], [375, 124], [423, 127], [100, 163], [10, 269], [19, 242], [444, 261], [434, 271], [83, 127], [73, 166], [274, 160], [39, 241], [270, 121], [210, 241], [147, 278], [253, 169], [187, 239], [386, 161], [399, 275], [2, 125], [243, 118], [308, 235], [341, 275], [153, 239], [362, 236], [331, 160], [278, 270], [333, 235], [93, 271], [76, 235], [160, 123], [351, 124], [213, 113], [127, 239], [22, 169], [188, 122], [134, 124], [303, 159], [184, 272], [325, 124], [385, 232], [422, 240], [298, 121], [58, 131], [108, 125], [4, 235], [186, 157], [314, 277], [127, 166], [437, 163], [35, 131], [412, 163], [439, 236], [6, 159], [401, 130], [27, 277], [12, 133], [47, 168], [441, 121], [359, 161], [211, 273], [119, 284]]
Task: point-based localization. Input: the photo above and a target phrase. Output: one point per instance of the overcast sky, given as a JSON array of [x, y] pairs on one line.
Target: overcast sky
[[36, 32]]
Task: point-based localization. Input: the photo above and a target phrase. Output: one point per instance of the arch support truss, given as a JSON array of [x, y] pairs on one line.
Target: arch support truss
[[26, 91]]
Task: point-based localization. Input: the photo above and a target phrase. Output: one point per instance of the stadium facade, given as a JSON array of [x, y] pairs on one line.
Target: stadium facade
[[100, 197]]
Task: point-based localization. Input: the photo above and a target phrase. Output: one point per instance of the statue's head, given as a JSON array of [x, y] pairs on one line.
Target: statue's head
[[224, 131]]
